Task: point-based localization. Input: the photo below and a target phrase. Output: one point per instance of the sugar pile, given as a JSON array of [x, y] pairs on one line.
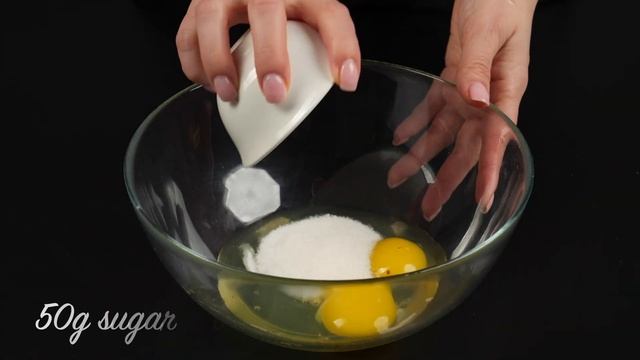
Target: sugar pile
[[326, 247]]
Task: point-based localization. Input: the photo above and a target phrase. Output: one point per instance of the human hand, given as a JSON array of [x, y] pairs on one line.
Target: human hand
[[203, 42], [488, 57]]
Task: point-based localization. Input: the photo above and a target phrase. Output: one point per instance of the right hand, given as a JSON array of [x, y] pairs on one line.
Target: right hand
[[203, 42]]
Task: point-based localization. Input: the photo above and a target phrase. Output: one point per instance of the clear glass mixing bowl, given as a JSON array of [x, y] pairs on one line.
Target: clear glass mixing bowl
[[180, 169]]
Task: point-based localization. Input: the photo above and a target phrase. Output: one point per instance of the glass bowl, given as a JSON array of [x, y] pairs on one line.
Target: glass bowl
[[195, 201]]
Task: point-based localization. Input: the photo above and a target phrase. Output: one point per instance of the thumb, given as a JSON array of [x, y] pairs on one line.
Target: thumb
[[473, 78]]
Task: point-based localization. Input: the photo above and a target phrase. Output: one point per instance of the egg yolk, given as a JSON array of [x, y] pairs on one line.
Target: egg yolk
[[393, 256], [358, 310], [369, 309]]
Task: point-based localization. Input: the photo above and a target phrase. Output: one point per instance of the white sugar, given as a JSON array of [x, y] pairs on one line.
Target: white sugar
[[326, 247]]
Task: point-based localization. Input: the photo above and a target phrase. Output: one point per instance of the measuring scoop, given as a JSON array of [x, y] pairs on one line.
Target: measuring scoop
[[257, 126]]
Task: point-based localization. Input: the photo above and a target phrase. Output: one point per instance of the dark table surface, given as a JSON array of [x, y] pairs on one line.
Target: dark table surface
[[78, 77]]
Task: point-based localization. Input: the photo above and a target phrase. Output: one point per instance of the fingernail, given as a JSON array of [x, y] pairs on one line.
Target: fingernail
[[396, 183], [479, 94], [349, 75], [224, 88], [274, 88], [430, 217], [398, 140], [485, 205]]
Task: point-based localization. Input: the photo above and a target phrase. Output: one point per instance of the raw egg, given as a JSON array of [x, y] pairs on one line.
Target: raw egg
[[394, 255], [358, 310], [369, 309]]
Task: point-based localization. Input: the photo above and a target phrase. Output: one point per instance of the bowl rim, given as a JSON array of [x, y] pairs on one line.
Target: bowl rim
[[185, 251]]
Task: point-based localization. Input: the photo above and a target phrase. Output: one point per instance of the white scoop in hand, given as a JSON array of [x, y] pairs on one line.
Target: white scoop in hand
[[257, 126]]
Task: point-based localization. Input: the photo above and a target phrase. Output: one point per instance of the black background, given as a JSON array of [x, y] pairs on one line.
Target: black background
[[78, 77]]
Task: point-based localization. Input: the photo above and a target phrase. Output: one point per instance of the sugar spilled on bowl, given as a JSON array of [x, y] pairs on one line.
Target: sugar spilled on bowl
[[324, 246]]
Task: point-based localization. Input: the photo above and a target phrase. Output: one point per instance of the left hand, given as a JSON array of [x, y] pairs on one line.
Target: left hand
[[488, 57]]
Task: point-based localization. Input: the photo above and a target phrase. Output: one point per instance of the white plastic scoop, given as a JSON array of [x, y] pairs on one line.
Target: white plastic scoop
[[257, 126]]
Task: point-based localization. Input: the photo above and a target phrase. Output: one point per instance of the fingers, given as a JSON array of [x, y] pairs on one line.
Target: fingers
[[338, 33], [212, 24], [478, 46], [188, 48], [440, 135], [495, 139], [461, 160], [421, 115], [268, 20], [203, 43]]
